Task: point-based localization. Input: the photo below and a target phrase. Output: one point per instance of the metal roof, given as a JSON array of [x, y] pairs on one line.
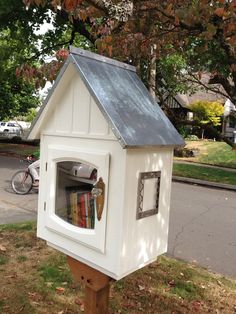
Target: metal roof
[[136, 119]]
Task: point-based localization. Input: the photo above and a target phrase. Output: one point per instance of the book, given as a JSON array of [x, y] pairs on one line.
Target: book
[[81, 207]]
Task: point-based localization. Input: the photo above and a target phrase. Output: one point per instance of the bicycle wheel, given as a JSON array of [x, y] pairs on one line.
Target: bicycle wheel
[[22, 182]]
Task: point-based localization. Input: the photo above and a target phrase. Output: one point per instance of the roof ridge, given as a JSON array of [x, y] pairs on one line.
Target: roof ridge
[[94, 56]]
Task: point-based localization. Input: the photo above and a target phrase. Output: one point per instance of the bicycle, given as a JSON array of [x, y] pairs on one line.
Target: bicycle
[[22, 181]]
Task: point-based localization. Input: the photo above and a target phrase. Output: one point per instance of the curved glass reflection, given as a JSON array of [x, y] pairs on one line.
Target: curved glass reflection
[[74, 200]]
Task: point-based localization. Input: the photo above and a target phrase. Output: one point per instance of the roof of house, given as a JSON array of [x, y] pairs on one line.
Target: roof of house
[[135, 118], [215, 93]]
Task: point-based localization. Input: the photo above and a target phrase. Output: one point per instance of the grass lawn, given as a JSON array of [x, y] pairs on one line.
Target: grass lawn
[[204, 173], [213, 153], [36, 279]]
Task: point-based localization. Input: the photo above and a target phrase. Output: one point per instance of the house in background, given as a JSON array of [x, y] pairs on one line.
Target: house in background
[[176, 106], [179, 105], [229, 124]]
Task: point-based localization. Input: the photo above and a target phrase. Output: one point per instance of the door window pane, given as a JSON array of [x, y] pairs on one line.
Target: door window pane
[[74, 201]]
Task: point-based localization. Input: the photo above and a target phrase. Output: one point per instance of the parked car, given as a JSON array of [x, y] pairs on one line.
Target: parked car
[[10, 129]]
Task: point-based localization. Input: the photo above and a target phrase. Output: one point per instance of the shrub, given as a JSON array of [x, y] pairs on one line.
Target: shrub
[[186, 152], [192, 137]]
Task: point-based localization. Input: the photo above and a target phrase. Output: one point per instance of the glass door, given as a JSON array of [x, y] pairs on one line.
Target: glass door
[[77, 195]]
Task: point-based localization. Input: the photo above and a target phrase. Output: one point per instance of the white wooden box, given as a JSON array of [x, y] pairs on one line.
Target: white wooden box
[[114, 128]]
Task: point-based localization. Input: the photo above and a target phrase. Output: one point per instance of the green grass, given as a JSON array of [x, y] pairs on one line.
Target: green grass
[[25, 226], [21, 258], [36, 279], [218, 153], [213, 153], [204, 173], [3, 259], [55, 272]]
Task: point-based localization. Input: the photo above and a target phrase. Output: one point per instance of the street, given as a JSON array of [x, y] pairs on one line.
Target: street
[[203, 227], [13, 207], [202, 220]]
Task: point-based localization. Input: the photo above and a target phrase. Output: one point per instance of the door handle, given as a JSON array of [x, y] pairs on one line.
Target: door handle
[[98, 192]]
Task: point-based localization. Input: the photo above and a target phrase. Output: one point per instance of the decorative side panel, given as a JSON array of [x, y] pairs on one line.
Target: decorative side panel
[[148, 194]]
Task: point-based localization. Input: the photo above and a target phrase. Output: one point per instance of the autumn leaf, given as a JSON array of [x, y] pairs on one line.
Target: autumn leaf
[[83, 14], [70, 5], [82, 307], [171, 283], [141, 287], [233, 67], [220, 12], [2, 248], [177, 21], [60, 289]]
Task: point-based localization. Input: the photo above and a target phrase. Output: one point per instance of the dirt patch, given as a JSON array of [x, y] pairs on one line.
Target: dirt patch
[[17, 150]]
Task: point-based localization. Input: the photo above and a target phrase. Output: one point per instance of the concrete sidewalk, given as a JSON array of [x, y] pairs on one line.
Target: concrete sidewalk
[[217, 185]]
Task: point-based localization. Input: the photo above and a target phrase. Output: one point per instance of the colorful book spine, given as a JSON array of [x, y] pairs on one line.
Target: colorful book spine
[[93, 208], [73, 200], [82, 209]]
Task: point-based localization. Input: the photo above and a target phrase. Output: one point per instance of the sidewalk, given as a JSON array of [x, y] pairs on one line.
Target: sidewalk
[[204, 182]]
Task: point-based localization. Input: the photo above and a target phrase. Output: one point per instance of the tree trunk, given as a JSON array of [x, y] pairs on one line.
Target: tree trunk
[[152, 72], [203, 134]]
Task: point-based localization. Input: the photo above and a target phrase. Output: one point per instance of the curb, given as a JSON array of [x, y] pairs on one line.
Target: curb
[[204, 183]]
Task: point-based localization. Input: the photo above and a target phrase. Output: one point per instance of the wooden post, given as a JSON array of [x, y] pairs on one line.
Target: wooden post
[[97, 286]]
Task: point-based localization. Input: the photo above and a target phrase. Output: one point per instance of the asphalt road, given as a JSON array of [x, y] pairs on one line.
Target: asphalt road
[[202, 220], [13, 207], [203, 227]]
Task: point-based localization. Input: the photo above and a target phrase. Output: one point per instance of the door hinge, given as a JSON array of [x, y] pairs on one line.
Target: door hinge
[[44, 206], [46, 166]]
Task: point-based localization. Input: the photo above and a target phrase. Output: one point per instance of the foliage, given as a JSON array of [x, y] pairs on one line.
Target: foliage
[[207, 113], [185, 152], [29, 116], [194, 36], [191, 137], [16, 96], [172, 43], [184, 131]]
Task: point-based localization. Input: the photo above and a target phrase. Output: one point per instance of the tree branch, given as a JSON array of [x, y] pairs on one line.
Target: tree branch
[[230, 90], [193, 79], [121, 11]]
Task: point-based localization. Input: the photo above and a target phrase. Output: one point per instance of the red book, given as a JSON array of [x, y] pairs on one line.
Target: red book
[[82, 211]]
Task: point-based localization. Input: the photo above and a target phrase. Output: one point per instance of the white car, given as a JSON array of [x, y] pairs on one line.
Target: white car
[[10, 129]]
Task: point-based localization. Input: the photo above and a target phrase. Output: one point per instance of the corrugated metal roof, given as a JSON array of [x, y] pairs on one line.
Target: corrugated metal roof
[[136, 119]]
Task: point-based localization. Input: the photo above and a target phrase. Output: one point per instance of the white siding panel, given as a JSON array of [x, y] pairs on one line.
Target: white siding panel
[[98, 124], [74, 112], [81, 108], [146, 238], [63, 111]]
